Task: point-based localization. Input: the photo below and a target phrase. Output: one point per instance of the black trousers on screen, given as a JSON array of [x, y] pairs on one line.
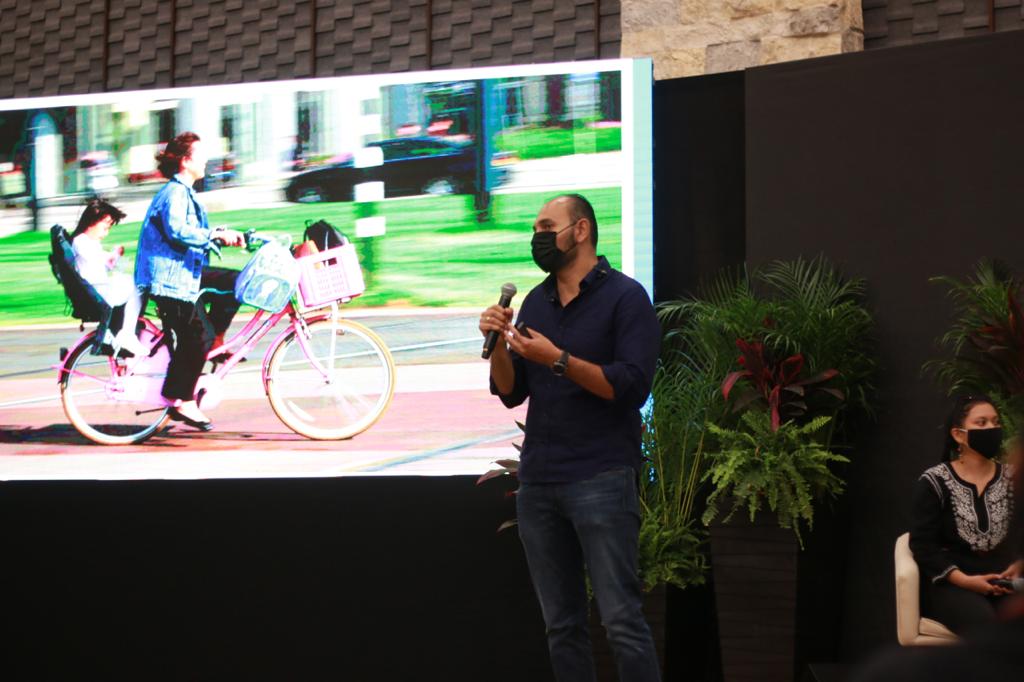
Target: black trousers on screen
[[195, 329]]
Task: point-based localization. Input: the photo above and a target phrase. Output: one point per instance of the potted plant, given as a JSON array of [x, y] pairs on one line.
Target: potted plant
[[768, 460], [789, 347]]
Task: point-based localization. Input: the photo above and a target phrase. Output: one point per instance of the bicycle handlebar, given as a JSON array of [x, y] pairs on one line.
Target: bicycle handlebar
[[253, 241]]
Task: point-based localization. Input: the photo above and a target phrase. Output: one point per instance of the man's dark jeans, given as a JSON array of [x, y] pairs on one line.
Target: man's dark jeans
[[593, 523]]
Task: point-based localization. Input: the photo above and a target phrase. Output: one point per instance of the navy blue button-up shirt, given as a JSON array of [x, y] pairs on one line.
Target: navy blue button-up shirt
[[572, 434]]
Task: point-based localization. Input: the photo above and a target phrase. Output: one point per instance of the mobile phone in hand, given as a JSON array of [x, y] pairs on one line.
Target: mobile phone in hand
[[521, 328]]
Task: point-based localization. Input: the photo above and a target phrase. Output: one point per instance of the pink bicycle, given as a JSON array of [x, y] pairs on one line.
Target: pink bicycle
[[326, 377]]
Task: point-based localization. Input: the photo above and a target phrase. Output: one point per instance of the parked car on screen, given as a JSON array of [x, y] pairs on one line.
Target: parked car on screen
[[412, 165], [146, 176], [100, 170], [220, 172]]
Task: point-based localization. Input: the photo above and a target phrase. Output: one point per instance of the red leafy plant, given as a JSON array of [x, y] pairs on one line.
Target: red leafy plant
[[506, 467], [1000, 348], [778, 383]]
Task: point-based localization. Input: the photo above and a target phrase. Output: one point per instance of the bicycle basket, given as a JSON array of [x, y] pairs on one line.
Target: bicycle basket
[[268, 280], [330, 276]]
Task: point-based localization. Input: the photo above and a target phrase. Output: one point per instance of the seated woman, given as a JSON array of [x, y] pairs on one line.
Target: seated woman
[[98, 267], [995, 652], [964, 529], [172, 264]]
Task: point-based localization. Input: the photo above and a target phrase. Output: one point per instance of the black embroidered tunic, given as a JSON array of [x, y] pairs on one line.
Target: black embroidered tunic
[[953, 526]]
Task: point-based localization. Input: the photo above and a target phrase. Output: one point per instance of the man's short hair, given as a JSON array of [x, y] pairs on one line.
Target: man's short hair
[[95, 210], [580, 208]]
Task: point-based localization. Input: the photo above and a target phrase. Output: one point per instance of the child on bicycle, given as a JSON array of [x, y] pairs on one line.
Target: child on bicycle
[[98, 267]]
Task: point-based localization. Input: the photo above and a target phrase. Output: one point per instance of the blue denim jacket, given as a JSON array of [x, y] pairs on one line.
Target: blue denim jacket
[[173, 244]]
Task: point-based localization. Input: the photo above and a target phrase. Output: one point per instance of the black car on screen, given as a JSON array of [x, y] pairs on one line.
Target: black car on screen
[[412, 165]]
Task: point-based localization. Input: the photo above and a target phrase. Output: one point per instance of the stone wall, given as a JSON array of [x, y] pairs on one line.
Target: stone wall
[[51, 47], [692, 37]]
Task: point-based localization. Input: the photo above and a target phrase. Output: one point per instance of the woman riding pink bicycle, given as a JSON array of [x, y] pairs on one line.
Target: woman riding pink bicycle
[[172, 265], [325, 377]]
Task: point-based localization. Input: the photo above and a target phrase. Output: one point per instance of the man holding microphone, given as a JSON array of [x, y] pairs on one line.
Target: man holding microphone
[[583, 351]]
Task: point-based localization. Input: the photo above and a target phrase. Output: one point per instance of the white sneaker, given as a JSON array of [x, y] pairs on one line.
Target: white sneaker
[[130, 343]]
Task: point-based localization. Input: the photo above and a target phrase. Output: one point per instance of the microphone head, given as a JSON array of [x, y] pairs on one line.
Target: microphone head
[[508, 289]]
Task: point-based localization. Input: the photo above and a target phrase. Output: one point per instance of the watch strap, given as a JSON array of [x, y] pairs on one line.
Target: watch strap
[[561, 364]]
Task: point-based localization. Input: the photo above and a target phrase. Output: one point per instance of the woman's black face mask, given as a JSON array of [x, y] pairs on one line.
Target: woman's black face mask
[[986, 442], [546, 253]]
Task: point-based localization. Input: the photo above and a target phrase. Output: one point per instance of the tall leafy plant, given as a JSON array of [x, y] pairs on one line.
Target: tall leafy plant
[[671, 539], [821, 315], [984, 346], [803, 308], [685, 398]]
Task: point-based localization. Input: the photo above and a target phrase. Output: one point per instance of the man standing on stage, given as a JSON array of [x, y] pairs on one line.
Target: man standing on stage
[[583, 351]]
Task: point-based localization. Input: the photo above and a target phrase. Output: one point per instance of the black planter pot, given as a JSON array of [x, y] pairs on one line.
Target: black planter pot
[[754, 565]]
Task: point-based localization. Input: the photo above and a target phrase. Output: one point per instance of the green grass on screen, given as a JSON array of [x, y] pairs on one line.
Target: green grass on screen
[[434, 253]]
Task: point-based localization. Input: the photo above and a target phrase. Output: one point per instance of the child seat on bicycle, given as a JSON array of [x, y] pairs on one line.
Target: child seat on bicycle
[[85, 302]]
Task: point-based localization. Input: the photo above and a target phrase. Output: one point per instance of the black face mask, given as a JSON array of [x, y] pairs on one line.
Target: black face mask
[[986, 442], [546, 253]]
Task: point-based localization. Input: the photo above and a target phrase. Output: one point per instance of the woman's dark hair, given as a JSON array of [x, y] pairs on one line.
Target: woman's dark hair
[[95, 211], [168, 162], [962, 406]]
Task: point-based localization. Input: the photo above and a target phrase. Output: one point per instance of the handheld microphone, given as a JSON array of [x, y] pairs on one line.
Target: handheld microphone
[[508, 290], [1015, 584]]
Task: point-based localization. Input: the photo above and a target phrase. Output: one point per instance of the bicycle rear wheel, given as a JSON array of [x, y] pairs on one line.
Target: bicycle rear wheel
[[93, 387], [339, 389]]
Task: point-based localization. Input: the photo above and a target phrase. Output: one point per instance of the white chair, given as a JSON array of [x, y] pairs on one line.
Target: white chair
[[911, 628]]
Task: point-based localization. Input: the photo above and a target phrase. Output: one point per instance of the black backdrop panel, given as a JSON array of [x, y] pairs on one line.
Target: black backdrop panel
[[354, 578], [698, 180], [898, 165]]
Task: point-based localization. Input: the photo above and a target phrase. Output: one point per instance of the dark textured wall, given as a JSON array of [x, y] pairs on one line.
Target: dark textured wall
[[890, 23], [50, 47], [926, 185]]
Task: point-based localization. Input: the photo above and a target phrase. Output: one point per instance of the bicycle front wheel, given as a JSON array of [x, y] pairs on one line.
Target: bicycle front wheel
[[332, 383], [95, 391]]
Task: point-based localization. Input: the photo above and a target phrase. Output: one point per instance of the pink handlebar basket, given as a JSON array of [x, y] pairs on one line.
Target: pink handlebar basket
[[330, 276]]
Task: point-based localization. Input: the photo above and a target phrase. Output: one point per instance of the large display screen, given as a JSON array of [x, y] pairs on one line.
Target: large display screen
[[434, 178]]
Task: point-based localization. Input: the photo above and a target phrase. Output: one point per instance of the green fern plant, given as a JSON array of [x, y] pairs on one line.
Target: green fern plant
[[784, 470]]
